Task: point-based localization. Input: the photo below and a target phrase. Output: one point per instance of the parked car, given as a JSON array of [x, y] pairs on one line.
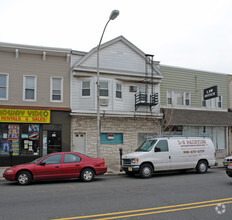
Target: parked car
[[62, 165], [229, 170], [227, 160]]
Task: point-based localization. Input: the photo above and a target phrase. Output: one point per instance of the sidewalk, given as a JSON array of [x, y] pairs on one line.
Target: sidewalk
[[111, 169]]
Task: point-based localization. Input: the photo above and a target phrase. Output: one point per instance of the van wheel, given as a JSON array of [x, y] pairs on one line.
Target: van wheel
[[146, 171], [202, 167]]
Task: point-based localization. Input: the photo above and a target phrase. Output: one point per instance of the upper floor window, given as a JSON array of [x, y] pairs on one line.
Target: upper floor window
[[178, 98], [118, 90], [56, 89], [104, 89], [86, 88], [29, 88], [212, 103], [3, 86]]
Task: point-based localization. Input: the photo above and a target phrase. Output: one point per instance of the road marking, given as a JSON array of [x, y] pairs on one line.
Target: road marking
[[151, 211]]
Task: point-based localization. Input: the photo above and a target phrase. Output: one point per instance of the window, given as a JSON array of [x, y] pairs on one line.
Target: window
[[3, 86], [29, 88], [54, 159], [212, 103], [86, 88], [56, 89], [71, 158], [118, 90], [178, 98], [104, 89], [161, 146]]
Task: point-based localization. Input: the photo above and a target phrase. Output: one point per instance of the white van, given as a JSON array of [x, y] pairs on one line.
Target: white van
[[170, 153]]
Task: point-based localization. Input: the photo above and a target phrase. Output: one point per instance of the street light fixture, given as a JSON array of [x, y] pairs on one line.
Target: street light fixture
[[114, 14]]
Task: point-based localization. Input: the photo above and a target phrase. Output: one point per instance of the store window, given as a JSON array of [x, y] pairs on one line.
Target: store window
[[23, 139]]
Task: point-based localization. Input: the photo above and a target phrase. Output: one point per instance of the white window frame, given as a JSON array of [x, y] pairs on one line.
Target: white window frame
[[35, 88], [6, 86], [214, 103], [119, 91], [104, 88], [86, 96], [61, 89], [172, 98]]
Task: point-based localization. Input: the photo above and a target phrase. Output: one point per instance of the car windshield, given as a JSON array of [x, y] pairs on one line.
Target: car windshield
[[147, 145], [36, 160]]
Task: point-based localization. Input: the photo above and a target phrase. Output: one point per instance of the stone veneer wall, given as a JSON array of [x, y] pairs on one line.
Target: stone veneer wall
[[130, 127]]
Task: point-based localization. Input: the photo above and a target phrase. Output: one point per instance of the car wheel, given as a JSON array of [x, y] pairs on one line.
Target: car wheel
[[87, 175], [202, 167], [146, 171], [24, 178]]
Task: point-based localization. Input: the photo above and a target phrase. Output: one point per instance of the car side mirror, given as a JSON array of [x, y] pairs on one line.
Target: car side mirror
[[157, 149], [42, 163]]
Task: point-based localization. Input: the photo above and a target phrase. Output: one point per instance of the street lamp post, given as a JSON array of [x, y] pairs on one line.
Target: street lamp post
[[114, 14]]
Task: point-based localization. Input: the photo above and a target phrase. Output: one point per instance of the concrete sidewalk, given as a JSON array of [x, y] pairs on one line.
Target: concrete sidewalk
[[111, 169]]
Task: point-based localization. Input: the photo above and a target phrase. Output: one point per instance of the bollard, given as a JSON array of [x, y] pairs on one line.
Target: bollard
[[120, 153]]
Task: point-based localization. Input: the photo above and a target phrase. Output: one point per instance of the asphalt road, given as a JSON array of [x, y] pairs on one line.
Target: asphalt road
[[165, 196]]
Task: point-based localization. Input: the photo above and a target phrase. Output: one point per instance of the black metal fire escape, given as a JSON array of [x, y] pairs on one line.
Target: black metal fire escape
[[142, 99]]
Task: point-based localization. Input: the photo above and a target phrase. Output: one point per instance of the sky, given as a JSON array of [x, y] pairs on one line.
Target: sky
[[195, 34]]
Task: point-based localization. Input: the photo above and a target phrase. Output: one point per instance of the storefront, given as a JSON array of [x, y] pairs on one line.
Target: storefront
[[29, 134]]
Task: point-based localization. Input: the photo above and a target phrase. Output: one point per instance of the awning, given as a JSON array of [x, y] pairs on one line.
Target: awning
[[197, 117]]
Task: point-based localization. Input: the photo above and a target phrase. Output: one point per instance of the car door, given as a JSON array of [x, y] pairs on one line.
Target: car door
[[49, 168], [162, 157], [71, 165]]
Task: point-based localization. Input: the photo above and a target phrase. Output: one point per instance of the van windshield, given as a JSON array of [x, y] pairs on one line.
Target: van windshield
[[147, 145]]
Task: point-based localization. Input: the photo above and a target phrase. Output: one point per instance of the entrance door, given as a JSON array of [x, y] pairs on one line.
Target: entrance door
[[79, 142], [54, 141]]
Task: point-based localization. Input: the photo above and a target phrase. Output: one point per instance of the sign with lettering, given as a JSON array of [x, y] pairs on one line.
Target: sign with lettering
[[24, 116], [210, 93]]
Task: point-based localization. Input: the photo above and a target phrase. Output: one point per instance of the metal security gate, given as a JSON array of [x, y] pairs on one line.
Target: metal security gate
[[79, 142]]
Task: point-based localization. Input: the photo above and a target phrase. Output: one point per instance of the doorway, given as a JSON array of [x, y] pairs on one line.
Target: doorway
[[79, 142], [54, 142]]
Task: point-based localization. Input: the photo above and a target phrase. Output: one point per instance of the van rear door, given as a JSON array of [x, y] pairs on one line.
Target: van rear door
[[162, 158]]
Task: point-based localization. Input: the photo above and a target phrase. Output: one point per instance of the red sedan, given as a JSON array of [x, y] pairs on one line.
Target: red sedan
[[62, 165]]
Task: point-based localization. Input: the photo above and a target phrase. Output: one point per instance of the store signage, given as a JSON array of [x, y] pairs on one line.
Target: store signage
[[24, 116], [210, 93], [110, 136]]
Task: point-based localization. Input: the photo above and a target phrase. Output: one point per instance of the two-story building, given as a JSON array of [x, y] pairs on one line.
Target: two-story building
[[34, 101], [129, 99], [187, 112]]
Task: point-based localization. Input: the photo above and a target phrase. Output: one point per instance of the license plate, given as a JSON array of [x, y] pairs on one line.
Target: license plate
[[130, 169]]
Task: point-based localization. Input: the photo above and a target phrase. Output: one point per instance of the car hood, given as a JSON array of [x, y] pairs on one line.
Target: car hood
[[134, 155], [20, 166]]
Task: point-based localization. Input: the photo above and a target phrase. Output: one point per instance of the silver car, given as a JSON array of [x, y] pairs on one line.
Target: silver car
[[227, 160]]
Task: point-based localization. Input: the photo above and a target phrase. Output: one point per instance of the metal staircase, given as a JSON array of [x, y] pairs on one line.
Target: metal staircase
[[142, 99]]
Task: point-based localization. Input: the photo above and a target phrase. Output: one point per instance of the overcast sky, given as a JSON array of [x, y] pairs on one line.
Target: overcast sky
[[195, 34]]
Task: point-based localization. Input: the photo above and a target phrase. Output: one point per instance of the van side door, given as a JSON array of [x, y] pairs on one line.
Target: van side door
[[162, 157]]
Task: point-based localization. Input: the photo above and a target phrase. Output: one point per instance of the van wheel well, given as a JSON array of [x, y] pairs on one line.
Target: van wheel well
[[202, 166], [149, 164]]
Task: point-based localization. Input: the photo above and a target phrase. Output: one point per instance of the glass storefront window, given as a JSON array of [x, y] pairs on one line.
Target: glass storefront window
[[23, 139]]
